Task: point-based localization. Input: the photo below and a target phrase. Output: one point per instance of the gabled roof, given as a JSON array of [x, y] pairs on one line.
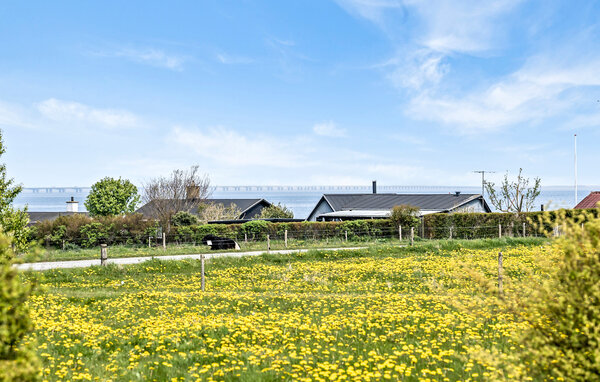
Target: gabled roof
[[243, 204], [36, 217], [425, 202], [590, 201]]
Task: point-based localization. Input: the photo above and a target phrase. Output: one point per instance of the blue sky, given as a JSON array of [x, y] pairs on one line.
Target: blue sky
[[300, 92]]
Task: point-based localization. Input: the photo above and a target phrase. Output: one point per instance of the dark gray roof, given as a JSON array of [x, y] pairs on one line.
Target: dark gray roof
[[243, 204], [435, 202], [36, 217]]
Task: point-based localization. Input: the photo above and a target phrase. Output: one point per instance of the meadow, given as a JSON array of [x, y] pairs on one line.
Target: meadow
[[382, 313]]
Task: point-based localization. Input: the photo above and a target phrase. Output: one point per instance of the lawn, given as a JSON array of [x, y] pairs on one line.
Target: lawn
[[383, 313], [118, 251]]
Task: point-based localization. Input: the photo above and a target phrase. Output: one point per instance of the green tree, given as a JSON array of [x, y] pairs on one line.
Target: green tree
[[110, 197], [184, 219], [405, 215], [18, 361], [13, 222], [276, 211]]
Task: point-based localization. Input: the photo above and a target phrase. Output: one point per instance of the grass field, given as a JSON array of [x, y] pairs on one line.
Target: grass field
[[119, 251], [384, 313]]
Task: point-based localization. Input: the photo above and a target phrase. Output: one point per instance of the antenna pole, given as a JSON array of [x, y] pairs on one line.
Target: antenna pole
[[482, 172]]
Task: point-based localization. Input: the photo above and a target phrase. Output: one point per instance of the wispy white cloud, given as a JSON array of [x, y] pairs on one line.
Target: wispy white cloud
[[147, 56], [75, 112], [229, 147], [535, 92], [329, 129], [14, 115], [228, 59], [415, 70]]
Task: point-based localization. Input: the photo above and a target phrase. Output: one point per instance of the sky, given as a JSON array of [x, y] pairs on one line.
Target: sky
[[300, 92]]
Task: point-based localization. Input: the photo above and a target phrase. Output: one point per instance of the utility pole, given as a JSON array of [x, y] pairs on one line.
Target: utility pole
[[483, 172]]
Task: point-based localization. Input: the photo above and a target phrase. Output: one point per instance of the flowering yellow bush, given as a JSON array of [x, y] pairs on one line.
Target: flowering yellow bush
[[356, 317]]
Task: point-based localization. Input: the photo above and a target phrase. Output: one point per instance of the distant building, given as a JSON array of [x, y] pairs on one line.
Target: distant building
[[250, 208], [590, 201], [72, 209], [336, 207]]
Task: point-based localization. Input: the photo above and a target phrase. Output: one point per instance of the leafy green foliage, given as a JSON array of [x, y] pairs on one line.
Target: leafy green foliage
[[12, 221], [184, 219], [276, 211], [111, 197], [256, 229], [405, 216], [18, 361], [569, 349]]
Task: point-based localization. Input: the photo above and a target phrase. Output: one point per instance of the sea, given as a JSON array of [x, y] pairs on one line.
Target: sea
[[301, 200]]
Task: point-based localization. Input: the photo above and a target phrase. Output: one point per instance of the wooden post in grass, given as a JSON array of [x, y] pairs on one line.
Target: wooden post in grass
[[202, 280], [450, 233], [103, 254], [246, 238], [285, 237], [412, 236], [524, 232], [63, 245], [400, 232], [500, 272], [268, 243], [346, 235], [149, 242], [499, 231], [164, 240]]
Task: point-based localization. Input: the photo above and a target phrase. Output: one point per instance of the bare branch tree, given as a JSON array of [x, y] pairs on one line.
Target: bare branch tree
[[183, 190], [515, 196], [217, 211]]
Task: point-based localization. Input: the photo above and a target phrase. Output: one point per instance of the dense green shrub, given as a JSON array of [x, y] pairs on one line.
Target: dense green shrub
[[18, 361], [183, 219], [481, 225]]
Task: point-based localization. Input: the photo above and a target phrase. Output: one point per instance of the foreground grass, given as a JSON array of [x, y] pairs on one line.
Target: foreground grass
[[120, 251], [371, 314]]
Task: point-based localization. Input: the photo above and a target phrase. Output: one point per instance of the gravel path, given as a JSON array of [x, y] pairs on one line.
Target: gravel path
[[135, 260]]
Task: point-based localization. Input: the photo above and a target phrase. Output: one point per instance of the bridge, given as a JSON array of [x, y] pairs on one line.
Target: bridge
[[361, 188]]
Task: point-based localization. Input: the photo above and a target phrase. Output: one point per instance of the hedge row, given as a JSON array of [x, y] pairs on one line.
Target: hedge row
[[479, 225], [82, 231]]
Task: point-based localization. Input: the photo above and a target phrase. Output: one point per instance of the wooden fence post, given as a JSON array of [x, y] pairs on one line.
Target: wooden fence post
[[346, 235], [103, 254], [268, 243], [202, 280], [285, 237], [450, 233], [500, 272], [524, 232], [412, 236], [149, 242], [246, 238], [400, 232], [499, 230], [164, 240]]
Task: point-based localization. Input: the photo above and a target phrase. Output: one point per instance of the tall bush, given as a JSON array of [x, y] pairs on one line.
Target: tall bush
[[18, 361]]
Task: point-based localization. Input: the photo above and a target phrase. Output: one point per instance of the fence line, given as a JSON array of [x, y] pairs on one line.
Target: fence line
[[294, 237]]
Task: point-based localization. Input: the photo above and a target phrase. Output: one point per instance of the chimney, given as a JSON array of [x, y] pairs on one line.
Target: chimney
[[192, 192], [374, 186], [72, 205]]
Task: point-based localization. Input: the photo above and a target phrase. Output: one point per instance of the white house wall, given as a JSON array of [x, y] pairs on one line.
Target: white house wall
[[473, 206], [322, 208]]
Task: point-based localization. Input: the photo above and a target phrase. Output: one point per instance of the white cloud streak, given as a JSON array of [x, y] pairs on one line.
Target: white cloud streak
[[74, 112], [148, 56], [329, 129]]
